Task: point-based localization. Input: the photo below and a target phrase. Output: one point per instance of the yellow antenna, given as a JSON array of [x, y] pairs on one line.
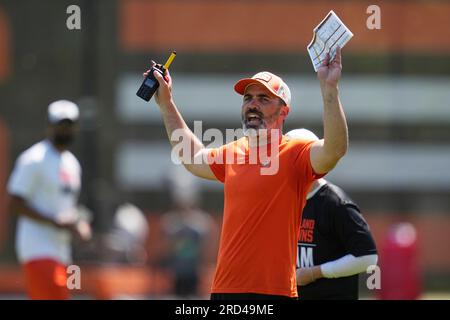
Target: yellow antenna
[[169, 61]]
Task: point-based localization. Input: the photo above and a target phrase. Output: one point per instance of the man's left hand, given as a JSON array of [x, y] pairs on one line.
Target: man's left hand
[[329, 72]]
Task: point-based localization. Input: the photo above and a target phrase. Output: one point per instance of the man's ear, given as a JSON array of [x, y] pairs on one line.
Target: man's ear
[[284, 111]]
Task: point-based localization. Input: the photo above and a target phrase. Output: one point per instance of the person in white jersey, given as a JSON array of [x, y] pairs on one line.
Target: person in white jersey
[[44, 188]]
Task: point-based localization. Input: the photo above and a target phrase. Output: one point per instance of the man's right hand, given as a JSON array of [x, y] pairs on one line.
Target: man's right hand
[[163, 95]]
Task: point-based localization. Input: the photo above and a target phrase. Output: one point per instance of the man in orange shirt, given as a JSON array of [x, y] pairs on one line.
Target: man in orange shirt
[[257, 253]]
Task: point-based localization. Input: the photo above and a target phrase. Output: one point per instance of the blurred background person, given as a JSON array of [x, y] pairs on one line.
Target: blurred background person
[[44, 188], [190, 233], [335, 243], [125, 242]]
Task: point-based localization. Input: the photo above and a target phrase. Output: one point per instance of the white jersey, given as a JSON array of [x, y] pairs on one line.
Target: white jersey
[[50, 182]]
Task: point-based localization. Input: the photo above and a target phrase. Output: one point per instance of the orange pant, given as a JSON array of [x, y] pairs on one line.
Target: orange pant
[[46, 279]]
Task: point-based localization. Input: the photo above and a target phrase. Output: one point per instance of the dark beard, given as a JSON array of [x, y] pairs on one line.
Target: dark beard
[[245, 124], [63, 140]]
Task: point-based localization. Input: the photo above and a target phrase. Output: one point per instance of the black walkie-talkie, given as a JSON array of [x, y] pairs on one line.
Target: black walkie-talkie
[[150, 84]]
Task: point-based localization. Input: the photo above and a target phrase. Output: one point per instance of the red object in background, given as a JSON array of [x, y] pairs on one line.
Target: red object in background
[[5, 46], [399, 264]]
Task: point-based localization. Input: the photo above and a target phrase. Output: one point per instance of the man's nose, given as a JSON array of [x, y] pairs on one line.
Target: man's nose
[[253, 104]]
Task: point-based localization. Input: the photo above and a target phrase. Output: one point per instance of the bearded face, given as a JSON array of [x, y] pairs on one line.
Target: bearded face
[[62, 134], [260, 109]]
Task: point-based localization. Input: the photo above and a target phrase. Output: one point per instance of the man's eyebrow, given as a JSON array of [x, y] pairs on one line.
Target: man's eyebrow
[[261, 95]]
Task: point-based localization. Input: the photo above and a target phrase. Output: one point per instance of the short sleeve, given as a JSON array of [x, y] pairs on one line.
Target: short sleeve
[[303, 161], [23, 178], [353, 231], [216, 161]]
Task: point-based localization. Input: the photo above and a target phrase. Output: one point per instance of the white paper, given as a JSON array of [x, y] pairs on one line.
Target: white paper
[[330, 33]]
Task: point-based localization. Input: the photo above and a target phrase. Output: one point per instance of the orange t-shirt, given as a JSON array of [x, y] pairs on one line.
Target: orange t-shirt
[[261, 220]]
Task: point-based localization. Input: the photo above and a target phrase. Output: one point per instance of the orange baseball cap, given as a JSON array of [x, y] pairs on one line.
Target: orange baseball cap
[[272, 82]]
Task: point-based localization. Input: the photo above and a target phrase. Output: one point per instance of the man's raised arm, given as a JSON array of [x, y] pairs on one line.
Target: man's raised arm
[[174, 122], [326, 153]]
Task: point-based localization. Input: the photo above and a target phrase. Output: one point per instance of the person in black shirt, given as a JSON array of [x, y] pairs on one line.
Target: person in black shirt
[[335, 243]]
